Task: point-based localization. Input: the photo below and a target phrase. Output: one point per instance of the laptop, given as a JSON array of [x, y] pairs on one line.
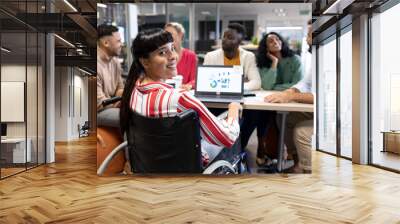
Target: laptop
[[219, 83]]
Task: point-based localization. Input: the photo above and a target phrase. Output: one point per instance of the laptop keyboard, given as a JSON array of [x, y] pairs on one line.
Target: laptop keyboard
[[221, 98]]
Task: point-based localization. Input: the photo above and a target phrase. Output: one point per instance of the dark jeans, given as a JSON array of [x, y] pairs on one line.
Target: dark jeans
[[251, 119], [260, 119]]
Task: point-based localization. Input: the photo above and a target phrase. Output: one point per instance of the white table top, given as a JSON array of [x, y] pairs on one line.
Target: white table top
[[257, 103], [13, 140]]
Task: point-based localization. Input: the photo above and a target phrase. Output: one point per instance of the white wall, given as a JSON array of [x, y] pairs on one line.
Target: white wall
[[71, 87], [61, 103]]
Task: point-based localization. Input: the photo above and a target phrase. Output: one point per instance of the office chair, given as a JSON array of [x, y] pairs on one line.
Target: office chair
[[84, 129], [172, 145], [108, 138]]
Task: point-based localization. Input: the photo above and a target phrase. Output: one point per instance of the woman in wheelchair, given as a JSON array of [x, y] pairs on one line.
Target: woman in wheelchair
[[148, 95]]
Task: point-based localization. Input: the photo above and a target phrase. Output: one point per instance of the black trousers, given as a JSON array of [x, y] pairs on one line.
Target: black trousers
[[252, 119]]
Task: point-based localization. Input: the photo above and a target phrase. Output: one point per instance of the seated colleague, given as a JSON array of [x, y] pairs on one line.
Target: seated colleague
[[146, 93], [299, 125], [232, 54], [109, 80], [279, 69], [187, 59]]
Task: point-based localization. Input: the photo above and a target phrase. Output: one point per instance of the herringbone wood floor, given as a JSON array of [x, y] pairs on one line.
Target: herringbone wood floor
[[70, 192]]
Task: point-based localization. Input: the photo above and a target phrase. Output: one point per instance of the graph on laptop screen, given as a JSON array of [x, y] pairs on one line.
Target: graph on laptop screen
[[219, 79]]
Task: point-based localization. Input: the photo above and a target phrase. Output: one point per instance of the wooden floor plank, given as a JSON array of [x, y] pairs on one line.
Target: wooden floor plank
[[69, 191]]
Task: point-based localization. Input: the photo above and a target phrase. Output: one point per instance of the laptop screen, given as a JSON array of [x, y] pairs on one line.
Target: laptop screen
[[219, 79]]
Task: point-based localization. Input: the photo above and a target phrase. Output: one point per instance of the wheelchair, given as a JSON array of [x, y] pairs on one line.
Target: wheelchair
[[172, 145]]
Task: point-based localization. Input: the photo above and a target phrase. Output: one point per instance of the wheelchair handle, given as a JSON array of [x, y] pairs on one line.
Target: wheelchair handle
[[111, 100]]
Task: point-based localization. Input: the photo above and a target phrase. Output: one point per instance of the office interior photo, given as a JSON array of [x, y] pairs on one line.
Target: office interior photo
[[49, 159], [47, 79], [203, 34]]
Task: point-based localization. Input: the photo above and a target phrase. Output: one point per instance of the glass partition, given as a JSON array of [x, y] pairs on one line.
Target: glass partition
[[327, 96], [385, 89], [179, 12], [41, 97], [15, 149], [31, 97], [346, 93], [22, 88]]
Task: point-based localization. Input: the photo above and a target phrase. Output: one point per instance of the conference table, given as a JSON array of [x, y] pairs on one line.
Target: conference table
[[257, 103], [14, 152]]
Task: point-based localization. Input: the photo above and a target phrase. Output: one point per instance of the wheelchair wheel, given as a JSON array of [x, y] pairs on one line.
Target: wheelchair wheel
[[243, 165], [220, 167]]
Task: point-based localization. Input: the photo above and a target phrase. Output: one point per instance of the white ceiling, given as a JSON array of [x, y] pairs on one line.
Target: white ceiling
[[268, 11], [256, 8]]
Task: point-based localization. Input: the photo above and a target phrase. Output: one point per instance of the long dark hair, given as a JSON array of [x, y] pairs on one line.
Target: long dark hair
[[262, 59], [145, 42]]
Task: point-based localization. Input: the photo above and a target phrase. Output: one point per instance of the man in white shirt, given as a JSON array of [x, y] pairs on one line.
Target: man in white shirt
[[232, 54], [300, 126]]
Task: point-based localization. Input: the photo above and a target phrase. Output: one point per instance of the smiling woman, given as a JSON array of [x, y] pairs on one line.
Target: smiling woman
[[147, 95]]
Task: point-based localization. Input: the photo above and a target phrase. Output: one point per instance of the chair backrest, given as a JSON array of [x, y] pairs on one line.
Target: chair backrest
[[165, 145], [86, 125]]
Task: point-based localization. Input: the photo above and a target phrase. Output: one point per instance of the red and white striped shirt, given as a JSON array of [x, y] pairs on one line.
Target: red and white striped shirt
[[158, 99]]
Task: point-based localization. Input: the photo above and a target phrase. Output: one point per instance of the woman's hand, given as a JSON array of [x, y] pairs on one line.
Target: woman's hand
[[186, 87], [274, 60], [233, 112]]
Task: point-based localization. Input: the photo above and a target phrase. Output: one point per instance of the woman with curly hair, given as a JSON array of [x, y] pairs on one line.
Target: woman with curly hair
[[279, 69]]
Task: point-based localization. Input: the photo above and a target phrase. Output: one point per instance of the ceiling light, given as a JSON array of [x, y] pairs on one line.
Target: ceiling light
[[338, 6], [179, 4], [70, 5], [101, 5], [285, 28], [65, 41], [206, 13], [5, 50], [84, 71]]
